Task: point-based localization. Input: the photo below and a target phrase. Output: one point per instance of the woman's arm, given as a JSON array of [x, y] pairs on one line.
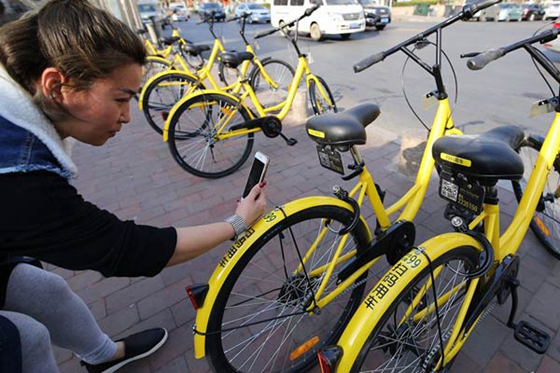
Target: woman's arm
[[194, 241]]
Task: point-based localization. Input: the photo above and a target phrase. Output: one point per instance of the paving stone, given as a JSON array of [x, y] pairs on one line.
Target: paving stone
[[549, 365], [133, 293], [545, 306], [501, 363], [493, 333]]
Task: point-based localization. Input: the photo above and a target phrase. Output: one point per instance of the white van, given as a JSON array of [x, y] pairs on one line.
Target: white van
[[334, 17]]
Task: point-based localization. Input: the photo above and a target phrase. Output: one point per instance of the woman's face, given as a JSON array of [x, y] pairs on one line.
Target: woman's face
[[98, 113]]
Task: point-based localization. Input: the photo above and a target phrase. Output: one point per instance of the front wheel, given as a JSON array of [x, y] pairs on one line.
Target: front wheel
[[315, 32], [153, 66], [162, 94], [408, 335], [281, 73], [194, 136], [322, 99], [546, 221], [259, 321]]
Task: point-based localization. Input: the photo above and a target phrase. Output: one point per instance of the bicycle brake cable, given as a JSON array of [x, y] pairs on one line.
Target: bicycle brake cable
[[536, 65], [454, 79]]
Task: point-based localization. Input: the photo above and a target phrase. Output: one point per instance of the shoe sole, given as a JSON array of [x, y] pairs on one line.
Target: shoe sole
[[137, 357]]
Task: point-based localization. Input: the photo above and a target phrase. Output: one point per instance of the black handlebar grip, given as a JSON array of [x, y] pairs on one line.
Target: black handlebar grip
[[309, 11], [485, 4], [484, 58], [265, 33], [367, 62]]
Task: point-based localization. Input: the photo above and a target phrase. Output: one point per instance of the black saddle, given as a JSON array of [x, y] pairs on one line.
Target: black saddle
[[488, 156], [342, 130], [169, 41], [234, 59], [195, 50]]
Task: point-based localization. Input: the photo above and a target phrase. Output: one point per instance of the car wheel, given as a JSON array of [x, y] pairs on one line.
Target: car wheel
[[315, 32]]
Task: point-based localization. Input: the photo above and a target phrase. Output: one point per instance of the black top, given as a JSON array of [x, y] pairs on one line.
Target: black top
[[44, 217]]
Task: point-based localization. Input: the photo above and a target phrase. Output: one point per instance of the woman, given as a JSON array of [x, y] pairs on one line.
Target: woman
[[69, 71]]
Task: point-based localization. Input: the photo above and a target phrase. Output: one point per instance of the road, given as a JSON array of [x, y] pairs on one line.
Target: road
[[500, 94]]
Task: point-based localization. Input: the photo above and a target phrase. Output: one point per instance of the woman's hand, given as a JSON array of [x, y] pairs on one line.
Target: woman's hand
[[253, 206]]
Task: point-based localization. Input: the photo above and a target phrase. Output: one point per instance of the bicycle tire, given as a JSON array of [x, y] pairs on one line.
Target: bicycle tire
[[546, 221], [391, 346], [227, 75], [153, 66], [281, 72], [319, 102], [162, 94], [268, 263], [192, 136]]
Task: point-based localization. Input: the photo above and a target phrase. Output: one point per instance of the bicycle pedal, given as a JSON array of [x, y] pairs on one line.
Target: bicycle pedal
[[291, 141], [532, 337]]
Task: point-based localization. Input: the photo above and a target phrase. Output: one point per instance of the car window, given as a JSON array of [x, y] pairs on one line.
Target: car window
[[255, 6]]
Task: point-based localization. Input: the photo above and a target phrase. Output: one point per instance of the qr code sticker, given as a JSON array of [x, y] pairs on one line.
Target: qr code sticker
[[449, 190]]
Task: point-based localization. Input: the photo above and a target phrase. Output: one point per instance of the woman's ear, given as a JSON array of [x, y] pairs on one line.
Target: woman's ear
[[51, 83]]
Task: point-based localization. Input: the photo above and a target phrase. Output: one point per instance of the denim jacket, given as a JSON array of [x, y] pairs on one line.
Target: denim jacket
[[28, 140]]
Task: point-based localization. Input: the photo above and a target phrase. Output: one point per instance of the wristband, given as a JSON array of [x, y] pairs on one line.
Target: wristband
[[238, 224]]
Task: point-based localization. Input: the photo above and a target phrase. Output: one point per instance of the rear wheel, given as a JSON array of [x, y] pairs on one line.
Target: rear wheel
[[322, 99], [408, 336], [546, 221], [258, 321], [162, 94], [194, 133]]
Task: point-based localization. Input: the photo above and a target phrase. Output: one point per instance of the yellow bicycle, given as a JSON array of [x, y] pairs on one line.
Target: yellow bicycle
[[422, 311], [293, 281], [164, 90], [211, 132]]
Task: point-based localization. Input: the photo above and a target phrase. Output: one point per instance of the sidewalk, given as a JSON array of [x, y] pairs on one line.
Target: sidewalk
[[135, 177]]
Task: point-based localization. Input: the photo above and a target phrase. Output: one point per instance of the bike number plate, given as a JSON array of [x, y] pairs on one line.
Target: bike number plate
[[330, 159], [461, 192]]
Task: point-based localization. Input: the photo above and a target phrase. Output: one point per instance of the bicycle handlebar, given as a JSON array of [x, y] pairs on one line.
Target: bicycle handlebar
[[482, 59], [307, 13], [466, 13]]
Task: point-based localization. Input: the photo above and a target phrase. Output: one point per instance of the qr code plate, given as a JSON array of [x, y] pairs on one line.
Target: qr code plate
[[449, 190]]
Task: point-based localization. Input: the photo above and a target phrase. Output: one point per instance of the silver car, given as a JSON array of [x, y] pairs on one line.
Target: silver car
[[258, 13]]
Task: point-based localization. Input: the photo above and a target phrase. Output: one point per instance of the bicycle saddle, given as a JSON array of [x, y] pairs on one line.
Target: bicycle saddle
[[169, 41], [234, 59], [195, 50], [344, 129], [490, 155]]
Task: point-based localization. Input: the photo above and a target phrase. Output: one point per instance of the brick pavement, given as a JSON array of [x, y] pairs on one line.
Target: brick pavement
[[135, 177]]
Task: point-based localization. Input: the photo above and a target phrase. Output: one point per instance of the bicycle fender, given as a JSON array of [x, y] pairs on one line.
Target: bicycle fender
[[385, 292], [151, 80], [195, 94], [238, 249]]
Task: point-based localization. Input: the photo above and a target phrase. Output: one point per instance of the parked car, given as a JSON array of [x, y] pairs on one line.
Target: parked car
[[205, 11], [532, 12], [377, 16], [554, 45], [552, 10], [151, 10], [488, 14], [179, 12], [258, 13], [510, 12]]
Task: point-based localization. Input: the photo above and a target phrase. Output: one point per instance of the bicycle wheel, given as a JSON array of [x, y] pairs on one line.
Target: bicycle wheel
[[153, 66], [227, 75], [193, 136], [408, 336], [281, 73], [163, 93], [258, 322], [546, 221], [320, 102]]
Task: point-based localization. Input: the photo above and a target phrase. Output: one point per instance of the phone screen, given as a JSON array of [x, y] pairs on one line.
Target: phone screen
[[255, 176]]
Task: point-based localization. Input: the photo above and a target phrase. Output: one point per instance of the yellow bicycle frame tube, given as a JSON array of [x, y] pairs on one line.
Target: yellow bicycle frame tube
[[512, 237], [191, 96], [370, 310], [412, 200], [239, 248]]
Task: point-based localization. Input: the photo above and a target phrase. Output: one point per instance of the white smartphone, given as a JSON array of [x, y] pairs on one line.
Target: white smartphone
[[257, 173]]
